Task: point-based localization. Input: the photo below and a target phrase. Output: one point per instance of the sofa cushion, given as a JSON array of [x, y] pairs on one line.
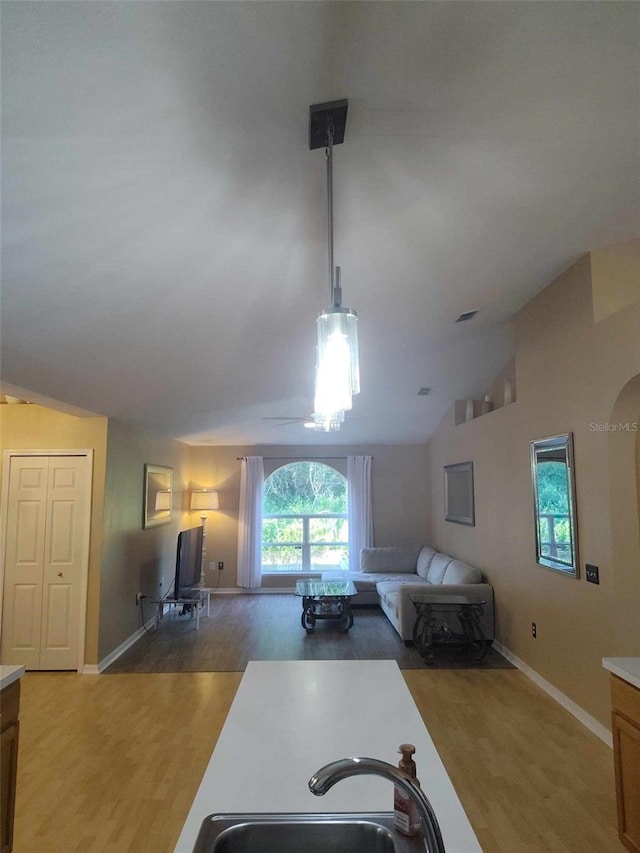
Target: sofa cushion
[[388, 592], [398, 558], [393, 584], [365, 581], [437, 568], [390, 602], [459, 572], [424, 560]]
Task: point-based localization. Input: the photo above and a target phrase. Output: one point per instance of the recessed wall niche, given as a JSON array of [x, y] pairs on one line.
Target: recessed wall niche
[[501, 393]]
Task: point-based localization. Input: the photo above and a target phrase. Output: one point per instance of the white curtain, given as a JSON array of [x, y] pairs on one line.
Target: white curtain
[[360, 512], [250, 522]]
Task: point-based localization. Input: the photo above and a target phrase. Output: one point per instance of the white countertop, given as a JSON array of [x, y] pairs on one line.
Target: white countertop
[[9, 674], [626, 668], [289, 718]]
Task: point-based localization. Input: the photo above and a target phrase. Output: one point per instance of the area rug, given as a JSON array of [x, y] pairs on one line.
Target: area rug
[[242, 628]]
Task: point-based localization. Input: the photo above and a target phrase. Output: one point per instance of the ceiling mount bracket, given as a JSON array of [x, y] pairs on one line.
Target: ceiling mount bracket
[[320, 116]]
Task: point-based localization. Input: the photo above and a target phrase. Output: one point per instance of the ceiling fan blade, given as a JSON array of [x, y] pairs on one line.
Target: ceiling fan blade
[[290, 418]]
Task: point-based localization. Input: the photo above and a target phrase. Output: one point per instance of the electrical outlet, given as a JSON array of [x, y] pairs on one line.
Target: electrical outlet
[[534, 630], [220, 566], [139, 595]]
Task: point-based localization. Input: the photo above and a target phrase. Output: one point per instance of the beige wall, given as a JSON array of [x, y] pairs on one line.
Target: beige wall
[[616, 277], [38, 428], [572, 374], [136, 560], [399, 493]]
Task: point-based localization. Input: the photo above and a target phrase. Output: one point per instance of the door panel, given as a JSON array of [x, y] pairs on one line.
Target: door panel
[[29, 533], [26, 605], [61, 539], [63, 564], [24, 561], [58, 618]]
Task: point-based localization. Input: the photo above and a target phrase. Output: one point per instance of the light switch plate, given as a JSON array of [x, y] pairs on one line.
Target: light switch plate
[[593, 573]]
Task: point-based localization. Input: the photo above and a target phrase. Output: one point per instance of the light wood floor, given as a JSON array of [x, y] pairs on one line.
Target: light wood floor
[[111, 763], [530, 776]]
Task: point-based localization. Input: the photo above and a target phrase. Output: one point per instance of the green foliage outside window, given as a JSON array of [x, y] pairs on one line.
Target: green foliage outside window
[[304, 489], [553, 488], [553, 509]]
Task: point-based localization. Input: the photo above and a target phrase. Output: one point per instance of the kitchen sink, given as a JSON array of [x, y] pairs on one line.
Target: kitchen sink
[[313, 833]]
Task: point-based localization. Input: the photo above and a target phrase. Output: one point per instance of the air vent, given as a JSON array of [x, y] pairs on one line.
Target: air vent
[[467, 315], [423, 392]]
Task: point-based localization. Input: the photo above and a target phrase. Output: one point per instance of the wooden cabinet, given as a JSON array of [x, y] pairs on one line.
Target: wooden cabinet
[[625, 702], [9, 726]]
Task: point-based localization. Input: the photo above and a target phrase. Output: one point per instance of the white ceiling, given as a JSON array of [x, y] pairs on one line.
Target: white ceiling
[[164, 222]]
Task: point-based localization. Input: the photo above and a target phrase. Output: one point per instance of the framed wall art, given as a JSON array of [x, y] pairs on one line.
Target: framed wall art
[[458, 493]]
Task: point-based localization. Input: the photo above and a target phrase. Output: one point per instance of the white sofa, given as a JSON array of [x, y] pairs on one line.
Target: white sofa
[[389, 575]]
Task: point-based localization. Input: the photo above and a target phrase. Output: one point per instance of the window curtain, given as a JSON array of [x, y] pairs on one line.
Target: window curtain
[[250, 522], [360, 512]]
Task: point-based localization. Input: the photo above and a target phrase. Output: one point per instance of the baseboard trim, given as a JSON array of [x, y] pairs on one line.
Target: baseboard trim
[[96, 669], [569, 705]]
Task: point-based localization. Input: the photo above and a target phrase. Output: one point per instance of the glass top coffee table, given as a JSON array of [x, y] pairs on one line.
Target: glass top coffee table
[[326, 600]]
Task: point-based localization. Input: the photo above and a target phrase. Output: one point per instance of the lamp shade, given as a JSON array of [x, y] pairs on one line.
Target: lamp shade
[[204, 499]]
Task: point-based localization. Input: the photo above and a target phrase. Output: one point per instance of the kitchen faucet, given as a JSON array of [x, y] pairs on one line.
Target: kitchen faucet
[[328, 775]]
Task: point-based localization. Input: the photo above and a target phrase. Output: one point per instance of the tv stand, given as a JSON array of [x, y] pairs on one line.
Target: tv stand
[[197, 599]]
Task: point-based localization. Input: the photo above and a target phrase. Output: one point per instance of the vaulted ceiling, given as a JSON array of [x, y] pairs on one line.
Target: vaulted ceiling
[[164, 221]]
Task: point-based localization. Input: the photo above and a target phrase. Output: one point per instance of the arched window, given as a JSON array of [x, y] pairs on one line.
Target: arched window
[[305, 519]]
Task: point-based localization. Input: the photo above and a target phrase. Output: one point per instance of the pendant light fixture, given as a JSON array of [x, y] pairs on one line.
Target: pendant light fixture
[[337, 363]]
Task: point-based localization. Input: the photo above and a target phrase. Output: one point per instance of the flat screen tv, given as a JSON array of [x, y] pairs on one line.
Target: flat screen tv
[[188, 561]]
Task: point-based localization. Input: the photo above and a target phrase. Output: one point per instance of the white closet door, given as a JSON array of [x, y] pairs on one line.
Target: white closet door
[[44, 561], [24, 561]]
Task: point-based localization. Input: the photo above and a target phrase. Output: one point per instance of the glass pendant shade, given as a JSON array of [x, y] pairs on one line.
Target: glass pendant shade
[[337, 367]]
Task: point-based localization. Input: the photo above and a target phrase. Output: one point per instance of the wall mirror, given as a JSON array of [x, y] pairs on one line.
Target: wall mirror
[[554, 503], [158, 495]]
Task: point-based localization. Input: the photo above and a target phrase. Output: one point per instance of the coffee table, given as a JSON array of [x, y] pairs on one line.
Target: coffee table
[[326, 600]]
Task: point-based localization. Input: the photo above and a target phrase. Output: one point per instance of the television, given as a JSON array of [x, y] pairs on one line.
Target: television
[[188, 561]]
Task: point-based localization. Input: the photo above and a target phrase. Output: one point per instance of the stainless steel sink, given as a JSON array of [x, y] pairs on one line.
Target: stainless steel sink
[[311, 833]]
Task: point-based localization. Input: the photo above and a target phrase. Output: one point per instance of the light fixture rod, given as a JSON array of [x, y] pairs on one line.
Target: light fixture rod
[[329, 156], [337, 290]]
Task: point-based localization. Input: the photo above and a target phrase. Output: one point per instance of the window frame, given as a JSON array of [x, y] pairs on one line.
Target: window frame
[[306, 545]]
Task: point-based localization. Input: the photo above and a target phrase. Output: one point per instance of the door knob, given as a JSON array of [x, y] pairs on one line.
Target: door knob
[[60, 574]]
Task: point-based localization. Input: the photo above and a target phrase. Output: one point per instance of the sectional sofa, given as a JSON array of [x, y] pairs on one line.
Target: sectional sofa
[[389, 575]]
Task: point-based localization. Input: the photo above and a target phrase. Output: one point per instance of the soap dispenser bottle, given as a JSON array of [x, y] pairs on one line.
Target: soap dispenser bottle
[[406, 818]]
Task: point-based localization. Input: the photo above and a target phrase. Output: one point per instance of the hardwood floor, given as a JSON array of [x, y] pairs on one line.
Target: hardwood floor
[[267, 627], [110, 764]]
